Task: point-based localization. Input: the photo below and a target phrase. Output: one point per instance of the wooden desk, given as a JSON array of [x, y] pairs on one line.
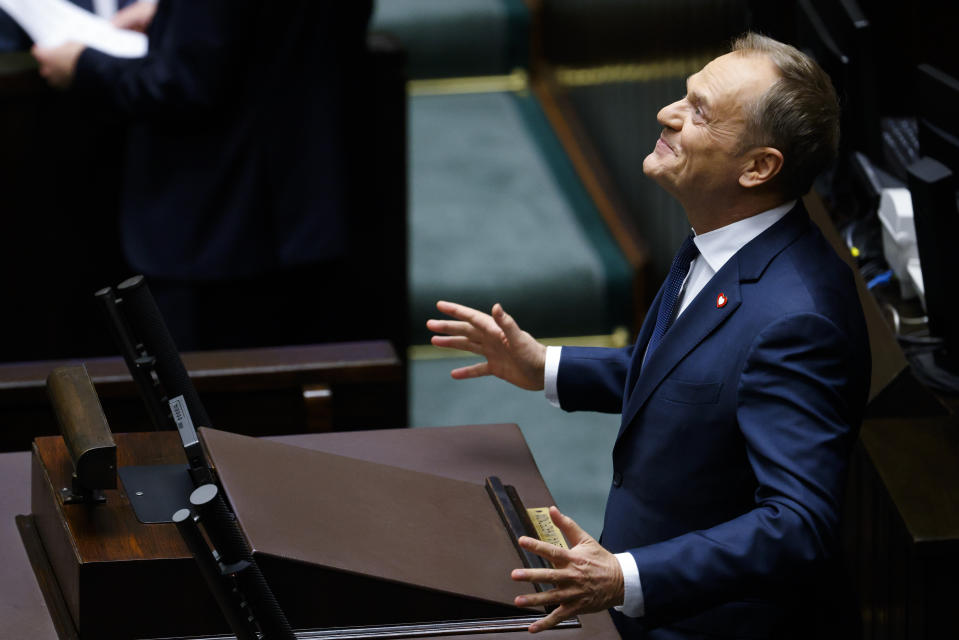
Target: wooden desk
[[270, 391], [902, 531], [463, 453], [22, 609]]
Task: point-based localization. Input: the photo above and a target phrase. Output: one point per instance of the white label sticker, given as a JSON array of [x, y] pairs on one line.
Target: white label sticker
[[184, 423]]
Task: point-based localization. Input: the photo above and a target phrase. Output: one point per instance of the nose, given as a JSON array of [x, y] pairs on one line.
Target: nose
[[671, 116]]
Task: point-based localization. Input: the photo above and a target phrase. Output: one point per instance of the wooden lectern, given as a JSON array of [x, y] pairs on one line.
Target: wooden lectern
[[346, 542], [351, 532]]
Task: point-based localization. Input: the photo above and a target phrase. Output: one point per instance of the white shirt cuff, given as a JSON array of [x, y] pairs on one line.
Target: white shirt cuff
[[634, 605], [551, 374]]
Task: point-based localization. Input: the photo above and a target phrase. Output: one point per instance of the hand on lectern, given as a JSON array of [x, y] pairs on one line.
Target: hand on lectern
[[588, 578], [511, 353]]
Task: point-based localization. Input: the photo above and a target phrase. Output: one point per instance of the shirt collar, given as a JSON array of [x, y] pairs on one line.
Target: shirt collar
[[719, 245]]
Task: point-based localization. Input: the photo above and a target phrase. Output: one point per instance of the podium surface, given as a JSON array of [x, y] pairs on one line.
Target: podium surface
[[467, 454], [364, 517]]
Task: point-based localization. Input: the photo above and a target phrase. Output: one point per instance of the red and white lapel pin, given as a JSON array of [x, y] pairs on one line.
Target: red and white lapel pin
[[721, 300]]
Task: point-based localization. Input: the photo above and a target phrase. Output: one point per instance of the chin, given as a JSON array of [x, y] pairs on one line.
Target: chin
[[657, 174], [650, 165], [656, 169]]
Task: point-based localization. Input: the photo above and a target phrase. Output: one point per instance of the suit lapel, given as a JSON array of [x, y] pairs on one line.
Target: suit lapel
[[704, 315], [699, 319]]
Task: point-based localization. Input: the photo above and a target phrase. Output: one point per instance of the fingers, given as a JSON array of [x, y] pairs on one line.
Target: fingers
[[460, 312], [545, 598], [453, 342], [39, 55], [560, 613], [43, 63], [473, 371], [474, 324], [452, 328], [540, 576], [587, 577], [573, 532], [544, 549], [505, 322], [136, 16]]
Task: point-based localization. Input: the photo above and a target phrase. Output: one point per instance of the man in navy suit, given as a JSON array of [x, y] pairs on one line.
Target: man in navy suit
[[743, 393], [237, 158]]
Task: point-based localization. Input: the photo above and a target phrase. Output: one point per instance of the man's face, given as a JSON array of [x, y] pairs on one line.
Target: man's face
[[696, 154]]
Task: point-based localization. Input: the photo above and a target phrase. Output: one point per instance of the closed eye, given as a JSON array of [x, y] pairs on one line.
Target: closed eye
[[699, 104]]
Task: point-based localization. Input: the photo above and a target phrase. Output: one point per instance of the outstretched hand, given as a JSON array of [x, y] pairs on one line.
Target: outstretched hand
[[511, 353], [588, 578]]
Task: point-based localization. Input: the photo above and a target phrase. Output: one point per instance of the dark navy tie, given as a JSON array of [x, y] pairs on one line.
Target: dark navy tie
[[671, 289]]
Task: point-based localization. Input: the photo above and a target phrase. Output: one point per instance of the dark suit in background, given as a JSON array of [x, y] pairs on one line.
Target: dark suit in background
[[731, 458], [58, 183], [237, 163]]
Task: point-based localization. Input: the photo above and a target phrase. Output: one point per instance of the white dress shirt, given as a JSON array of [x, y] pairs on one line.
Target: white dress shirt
[[716, 247]]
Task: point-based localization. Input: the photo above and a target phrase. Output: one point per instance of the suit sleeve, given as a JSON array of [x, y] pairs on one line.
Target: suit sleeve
[[592, 378], [800, 398], [197, 57], [12, 37]]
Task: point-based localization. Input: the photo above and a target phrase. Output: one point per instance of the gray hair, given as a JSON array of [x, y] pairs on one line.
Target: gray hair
[[798, 114]]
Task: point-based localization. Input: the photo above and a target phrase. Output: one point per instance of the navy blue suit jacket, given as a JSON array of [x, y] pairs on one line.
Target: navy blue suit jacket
[[236, 144], [730, 462]]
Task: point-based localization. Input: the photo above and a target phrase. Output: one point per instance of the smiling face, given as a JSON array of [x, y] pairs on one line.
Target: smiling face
[[697, 157]]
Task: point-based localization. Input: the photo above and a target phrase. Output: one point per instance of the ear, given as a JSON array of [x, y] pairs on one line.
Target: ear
[[762, 165]]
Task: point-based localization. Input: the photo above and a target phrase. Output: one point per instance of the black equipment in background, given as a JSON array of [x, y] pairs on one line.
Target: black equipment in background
[[155, 364], [231, 573], [937, 112], [936, 214], [837, 34], [932, 183], [157, 491]]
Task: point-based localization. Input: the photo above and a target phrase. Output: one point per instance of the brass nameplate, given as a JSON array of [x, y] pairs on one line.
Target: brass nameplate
[[546, 530]]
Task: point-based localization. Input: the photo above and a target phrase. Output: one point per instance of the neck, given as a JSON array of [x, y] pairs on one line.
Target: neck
[[711, 214]]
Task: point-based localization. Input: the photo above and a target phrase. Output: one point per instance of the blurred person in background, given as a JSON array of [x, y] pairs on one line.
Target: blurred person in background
[[235, 174]]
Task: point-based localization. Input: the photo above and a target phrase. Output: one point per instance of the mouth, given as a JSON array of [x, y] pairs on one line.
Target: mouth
[[663, 146]]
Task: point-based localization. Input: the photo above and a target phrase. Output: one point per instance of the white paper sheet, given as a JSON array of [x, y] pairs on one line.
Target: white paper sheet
[[105, 8], [52, 22]]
